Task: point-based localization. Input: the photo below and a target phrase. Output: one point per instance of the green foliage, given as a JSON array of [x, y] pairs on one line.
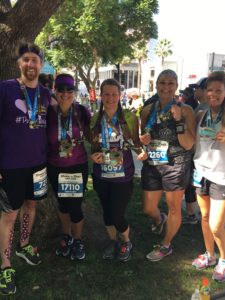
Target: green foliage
[[85, 33], [163, 49], [174, 278]]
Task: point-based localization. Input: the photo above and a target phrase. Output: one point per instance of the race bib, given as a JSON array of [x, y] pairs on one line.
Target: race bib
[[110, 171], [157, 152], [70, 185], [40, 183], [196, 178]]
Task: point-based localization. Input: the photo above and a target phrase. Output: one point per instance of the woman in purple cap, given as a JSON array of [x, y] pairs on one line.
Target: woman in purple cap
[[67, 128]]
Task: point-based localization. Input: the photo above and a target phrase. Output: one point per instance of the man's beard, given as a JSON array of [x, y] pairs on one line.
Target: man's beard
[[30, 75]]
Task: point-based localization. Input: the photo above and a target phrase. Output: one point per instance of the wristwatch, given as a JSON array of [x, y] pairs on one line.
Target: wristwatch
[[180, 127]]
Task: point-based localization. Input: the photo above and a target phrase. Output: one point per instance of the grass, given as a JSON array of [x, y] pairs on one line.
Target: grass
[[58, 278]]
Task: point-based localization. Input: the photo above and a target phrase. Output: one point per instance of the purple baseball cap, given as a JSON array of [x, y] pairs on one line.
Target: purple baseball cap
[[64, 81]]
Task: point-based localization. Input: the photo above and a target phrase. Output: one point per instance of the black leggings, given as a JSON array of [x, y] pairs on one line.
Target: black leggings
[[71, 206], [114, 199]]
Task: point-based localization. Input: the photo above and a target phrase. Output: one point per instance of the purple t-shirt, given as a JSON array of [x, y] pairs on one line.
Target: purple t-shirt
[[79, 155], [20, 146]]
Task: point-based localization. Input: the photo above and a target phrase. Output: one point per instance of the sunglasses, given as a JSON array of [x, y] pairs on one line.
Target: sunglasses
[[65, 90]]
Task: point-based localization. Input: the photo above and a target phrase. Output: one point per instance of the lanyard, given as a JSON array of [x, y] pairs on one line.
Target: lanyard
[[33, 110], [107, 131], [155, 114], [209, 120], [66, 127]]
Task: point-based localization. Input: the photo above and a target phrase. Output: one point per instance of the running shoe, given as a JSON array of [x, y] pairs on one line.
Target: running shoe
[[65, 246], [78, 251], [159, 252], [110, 252], [203, 261], [219, 272], [125, 251], [190, 219], [29, 254], [7, 281], [157, 229]]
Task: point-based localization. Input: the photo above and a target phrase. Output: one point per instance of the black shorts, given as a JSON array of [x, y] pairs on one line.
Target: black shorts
[[209, 188], [165, 177], [19, 185]]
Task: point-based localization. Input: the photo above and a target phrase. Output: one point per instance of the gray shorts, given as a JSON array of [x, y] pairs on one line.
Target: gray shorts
[[171, 177], [209, 188]]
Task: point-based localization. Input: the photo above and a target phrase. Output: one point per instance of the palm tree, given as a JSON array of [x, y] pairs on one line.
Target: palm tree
[[140, 52], [163, 49]]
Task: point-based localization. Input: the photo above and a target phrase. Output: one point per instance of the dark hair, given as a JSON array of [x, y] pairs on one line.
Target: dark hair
[[121, 117], [110, 81], [167, 72], [46, 80], [28, 47], [216, 76]]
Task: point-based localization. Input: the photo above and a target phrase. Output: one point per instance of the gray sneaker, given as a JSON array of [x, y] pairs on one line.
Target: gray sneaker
[[78, 250], [125, 251], [110, 251], [190, 219], [157, 229], [29, 254]]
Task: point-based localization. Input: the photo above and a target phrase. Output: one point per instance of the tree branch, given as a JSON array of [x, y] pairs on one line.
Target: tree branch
[[31, 15]]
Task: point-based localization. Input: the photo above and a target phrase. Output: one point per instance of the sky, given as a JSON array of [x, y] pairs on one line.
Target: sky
[[193, 26]]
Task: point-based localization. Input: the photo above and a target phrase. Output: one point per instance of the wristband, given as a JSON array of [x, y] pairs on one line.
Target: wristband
[[180, 128]]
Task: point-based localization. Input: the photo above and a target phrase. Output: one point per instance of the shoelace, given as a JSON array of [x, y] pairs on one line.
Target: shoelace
[[7, 274], [31, 250], [220, 268]]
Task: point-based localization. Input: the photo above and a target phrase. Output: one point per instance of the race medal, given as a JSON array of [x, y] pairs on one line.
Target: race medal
[[33, 124], [110, 171], [106, 157], [65, 148], [116, 158], [70, 185], [40, 183], [157, 152], [207, 133]]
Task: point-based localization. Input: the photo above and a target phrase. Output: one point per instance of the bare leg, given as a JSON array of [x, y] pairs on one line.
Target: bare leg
[[65, 223], [151, 201], [27, 217], [204, 204], [174, 200], [125, 235], [77, 229], [190, 208], [111, 230], [216, 222], [7, 222]]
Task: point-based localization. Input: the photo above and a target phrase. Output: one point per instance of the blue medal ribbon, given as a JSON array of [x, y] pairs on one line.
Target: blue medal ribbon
[[153, 116], [107, 131]]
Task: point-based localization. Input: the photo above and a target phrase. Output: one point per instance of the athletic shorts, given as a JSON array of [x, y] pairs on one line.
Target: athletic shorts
[[165, 177], [22, 184], [209, 188]]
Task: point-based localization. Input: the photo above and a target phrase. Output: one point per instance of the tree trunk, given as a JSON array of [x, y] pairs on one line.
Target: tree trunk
[[21, 23]]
